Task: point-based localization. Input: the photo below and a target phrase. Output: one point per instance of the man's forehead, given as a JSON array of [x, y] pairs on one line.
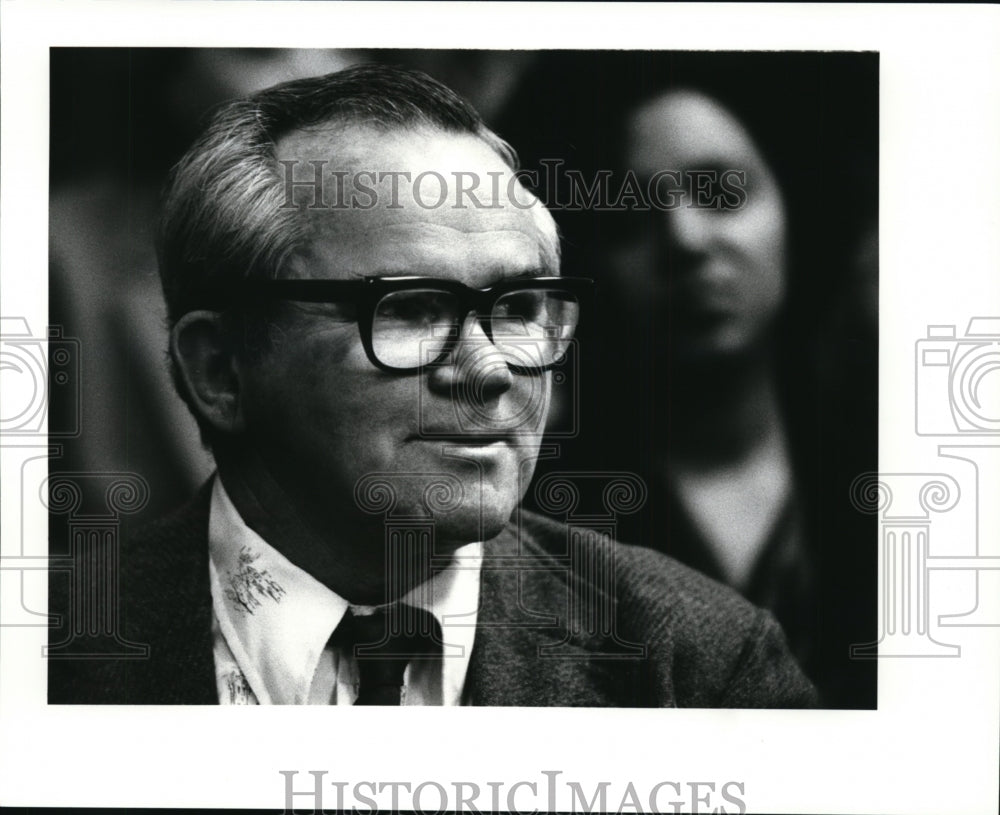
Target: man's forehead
[[403, 197], [417, 164], [476, 258]]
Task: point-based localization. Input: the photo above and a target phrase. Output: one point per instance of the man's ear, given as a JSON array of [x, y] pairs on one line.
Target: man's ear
[[208, 365]]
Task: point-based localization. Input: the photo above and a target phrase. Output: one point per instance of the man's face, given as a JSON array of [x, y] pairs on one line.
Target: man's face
[[323, 417]]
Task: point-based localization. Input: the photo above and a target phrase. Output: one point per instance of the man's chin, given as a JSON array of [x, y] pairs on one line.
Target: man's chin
[[469, 524]]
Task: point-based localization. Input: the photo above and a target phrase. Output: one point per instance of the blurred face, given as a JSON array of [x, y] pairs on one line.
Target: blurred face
[[711, 278], [326, 420]]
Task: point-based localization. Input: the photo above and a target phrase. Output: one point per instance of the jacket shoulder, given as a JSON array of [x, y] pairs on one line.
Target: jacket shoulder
[[164, 606], [706, 646]]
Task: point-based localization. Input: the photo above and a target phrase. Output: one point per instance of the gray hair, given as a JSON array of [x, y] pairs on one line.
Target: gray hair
[[222, 214]]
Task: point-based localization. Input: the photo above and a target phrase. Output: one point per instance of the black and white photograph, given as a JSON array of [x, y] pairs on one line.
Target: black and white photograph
[[720, 394], [583, 381]]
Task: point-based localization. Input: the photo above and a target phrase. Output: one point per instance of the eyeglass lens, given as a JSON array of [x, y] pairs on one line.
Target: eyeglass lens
[[531, 327]]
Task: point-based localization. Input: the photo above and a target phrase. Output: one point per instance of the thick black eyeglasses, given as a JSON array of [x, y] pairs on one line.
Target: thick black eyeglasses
[[407, 323]]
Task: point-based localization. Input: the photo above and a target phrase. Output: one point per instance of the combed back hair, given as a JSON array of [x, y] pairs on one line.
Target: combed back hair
[[222, 215]]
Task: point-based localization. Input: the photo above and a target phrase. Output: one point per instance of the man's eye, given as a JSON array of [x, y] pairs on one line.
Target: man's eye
[[413, 306], [338, 312], [403, 310], [528, 305]]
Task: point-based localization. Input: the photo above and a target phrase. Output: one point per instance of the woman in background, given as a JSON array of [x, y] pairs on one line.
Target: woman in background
[[729, 369], [707, 279]]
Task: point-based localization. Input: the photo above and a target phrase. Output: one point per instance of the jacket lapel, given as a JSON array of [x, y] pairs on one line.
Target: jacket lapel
[[525, 654]]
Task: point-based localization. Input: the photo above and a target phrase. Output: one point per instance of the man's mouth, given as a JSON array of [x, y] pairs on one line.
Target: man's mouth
[[465, 439]]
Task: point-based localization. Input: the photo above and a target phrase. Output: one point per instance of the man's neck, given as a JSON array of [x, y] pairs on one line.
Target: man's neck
[[351, 557]]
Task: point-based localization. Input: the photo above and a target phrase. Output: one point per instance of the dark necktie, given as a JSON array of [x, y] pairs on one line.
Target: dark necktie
[[383, 644]]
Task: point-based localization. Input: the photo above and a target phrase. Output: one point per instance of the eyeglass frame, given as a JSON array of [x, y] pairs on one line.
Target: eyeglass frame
[[366, 293]]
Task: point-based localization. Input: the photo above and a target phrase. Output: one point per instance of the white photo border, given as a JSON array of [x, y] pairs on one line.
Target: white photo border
[[932, 745]]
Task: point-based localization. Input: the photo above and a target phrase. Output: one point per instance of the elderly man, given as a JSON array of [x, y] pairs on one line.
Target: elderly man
[[366, 306]]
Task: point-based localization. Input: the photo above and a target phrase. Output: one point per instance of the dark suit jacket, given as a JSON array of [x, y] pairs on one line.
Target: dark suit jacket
[[568, 620]]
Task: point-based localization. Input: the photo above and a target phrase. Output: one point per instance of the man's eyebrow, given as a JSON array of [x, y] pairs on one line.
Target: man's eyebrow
[[500, 276], [528, 274]]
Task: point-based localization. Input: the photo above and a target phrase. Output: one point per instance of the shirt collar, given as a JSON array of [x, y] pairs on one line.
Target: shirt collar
[[277, 618]]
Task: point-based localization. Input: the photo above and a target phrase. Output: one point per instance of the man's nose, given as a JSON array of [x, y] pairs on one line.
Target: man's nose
[[476, 371]]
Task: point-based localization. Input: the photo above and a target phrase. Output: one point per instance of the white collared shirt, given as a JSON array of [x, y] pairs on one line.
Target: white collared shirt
[[272, 622]]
